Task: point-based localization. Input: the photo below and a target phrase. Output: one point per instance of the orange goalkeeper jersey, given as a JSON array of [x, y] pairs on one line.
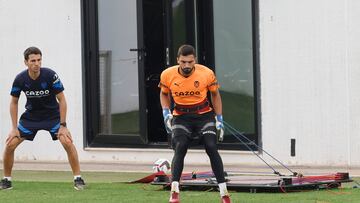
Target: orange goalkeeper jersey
[[188, 90]]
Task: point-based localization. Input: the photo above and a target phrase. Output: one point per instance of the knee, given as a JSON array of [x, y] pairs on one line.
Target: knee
[[180, 151], [211, 149], [10, 147], [179, 146]]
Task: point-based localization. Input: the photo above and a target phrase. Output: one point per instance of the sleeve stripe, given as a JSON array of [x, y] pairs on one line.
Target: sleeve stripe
[[212, 84], [15, 89], [162, 85]]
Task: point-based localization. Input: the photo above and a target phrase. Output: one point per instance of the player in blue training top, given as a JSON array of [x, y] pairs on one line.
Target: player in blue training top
[[45, 110]]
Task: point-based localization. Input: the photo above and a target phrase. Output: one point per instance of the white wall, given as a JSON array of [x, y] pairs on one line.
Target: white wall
[[354, 81], [310, 89], [54, 27], [309, 67]]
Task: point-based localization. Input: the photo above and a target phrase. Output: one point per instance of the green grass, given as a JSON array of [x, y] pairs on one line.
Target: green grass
[[46, 186]]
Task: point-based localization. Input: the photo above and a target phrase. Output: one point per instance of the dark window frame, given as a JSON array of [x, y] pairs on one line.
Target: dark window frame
[[90, 60], [256, 69], [91, 73]]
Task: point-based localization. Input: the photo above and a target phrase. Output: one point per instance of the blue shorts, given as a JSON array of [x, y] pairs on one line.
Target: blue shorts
[[30, 124]]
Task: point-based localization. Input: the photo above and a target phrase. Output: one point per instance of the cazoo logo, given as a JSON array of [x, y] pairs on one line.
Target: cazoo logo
[[37, 93], [187, 93]]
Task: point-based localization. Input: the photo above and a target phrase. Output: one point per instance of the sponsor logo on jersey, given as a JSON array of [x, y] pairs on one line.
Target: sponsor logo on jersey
[[37, 93], [186, 93]]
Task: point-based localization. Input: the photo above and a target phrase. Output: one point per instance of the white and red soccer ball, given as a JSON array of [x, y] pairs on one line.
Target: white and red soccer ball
[[162, 165]]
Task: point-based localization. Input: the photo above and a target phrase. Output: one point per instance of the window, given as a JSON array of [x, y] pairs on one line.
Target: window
[[234, 64], [127, 44]]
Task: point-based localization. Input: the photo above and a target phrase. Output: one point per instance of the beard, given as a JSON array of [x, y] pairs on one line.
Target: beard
[[187, 70]]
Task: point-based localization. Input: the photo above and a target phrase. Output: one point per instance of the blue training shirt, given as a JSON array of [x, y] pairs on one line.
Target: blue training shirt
[[40, 93]]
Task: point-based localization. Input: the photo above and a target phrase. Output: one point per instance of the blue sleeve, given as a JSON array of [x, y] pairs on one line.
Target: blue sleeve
[[16, 87], [57, 85]]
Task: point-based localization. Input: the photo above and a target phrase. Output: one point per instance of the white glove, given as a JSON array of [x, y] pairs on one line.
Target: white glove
[[219, 124], [167, 120]]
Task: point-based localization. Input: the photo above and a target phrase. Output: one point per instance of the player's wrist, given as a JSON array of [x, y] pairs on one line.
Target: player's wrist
[[63, 124], [166, 111], [219, 118]]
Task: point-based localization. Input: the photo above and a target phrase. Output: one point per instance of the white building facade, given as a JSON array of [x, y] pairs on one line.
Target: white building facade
[[308, 85]]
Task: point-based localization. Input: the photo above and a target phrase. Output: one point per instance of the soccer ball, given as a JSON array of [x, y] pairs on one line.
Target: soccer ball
[[161, 165]]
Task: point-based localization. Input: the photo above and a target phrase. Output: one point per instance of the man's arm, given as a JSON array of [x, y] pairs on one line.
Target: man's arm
[[62, 106], [165, 100], [14, 111], [14, 119], [165, 104], [216, 102]]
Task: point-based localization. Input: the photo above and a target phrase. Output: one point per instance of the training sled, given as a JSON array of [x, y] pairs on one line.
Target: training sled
[[243, 182], [237, 181]]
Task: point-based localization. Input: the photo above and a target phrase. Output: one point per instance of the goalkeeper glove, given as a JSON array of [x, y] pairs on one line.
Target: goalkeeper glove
[[167, 119], [219, 124]]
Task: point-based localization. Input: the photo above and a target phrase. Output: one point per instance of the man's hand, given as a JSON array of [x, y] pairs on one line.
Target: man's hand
[[14, 133], [219, 127], [167, 120], [63, 131]]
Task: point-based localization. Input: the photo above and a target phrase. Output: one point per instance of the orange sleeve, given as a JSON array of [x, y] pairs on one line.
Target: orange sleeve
[[212, 82], [164, 83]]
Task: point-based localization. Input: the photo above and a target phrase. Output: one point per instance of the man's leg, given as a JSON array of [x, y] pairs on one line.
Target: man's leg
[[71, 153], [181, 143], [70, 149], [215, 159], [216, 164], [8, 159]]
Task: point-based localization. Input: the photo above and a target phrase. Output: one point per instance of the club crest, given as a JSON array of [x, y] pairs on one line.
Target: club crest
[[196, 84]]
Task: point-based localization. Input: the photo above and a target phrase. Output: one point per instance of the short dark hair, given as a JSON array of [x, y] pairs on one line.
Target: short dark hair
[[31, 50], [186, 50]]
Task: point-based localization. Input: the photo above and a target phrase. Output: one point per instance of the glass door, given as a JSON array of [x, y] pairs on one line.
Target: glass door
[[118, 90], [222, 33], [181, 26], [121, 56], [234, 62]]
